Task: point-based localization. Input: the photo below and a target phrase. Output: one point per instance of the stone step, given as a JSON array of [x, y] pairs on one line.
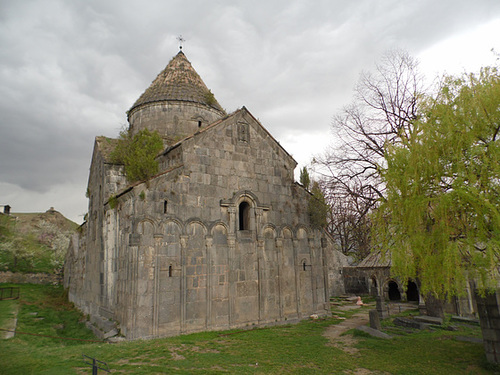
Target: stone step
[[102, 328], [428, 319], [374, 332], [104, 324], [464, 319], [409, 323]]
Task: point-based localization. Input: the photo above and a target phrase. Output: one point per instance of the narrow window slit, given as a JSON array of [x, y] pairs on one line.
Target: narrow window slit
[[244, 216]]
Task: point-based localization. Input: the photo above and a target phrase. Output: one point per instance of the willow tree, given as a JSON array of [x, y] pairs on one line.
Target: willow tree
[[440, 219]]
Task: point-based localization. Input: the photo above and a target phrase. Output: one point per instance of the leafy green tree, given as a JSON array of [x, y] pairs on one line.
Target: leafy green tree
[[305, 180], [441, 219], [138, 154]]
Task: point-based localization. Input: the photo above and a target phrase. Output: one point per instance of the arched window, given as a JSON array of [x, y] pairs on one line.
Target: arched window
[[170, 271], [244, 215]]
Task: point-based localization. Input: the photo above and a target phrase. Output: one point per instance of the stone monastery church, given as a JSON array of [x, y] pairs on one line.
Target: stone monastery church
[[220, 238]]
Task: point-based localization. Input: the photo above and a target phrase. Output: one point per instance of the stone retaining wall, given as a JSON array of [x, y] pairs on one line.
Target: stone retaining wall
[[30, 278]]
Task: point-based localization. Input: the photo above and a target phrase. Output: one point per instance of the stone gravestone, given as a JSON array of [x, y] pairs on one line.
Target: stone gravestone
[[489, 318], [381, 308], [375, 320]]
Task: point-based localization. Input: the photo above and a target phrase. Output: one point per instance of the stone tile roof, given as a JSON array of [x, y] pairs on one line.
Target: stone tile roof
[[376, 260], [178, 81], [106, 145]]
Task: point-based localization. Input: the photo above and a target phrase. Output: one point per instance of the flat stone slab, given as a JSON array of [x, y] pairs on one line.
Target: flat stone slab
[[475, 340], [409, 323], [351, 298], [348, 307], [464, 319], [96, 331], [104, 324], [374, 332], [428, 319], [111, 333]]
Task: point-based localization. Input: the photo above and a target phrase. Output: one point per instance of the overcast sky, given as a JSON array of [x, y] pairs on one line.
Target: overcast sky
[[69, 70]]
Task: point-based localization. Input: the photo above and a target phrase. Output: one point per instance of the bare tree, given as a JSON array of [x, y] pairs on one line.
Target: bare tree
[[384, 106], [349, 224]]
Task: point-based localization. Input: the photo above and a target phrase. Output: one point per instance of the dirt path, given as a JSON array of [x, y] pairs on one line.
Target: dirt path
[[347, 342], [359, 319]]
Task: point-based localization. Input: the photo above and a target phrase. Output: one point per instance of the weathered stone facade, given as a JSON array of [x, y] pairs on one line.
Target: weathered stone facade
[[220, 238], [489, 316]]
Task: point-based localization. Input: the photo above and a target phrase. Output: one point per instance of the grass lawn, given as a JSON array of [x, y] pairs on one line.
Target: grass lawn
[[292, 349]]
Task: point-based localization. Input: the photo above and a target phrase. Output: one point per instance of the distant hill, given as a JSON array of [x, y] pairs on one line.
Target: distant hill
[[27, 222], [34, 242]]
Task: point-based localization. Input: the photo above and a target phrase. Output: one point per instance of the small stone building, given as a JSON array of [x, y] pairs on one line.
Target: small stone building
[[220, 238], [373, 276]]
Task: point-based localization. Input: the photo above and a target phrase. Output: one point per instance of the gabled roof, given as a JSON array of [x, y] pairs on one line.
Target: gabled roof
[[376, 260], [243, 110], [178, 82], [106, 146]]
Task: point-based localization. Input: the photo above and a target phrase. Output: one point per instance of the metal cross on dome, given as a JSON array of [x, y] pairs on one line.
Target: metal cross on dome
[[180, 39]]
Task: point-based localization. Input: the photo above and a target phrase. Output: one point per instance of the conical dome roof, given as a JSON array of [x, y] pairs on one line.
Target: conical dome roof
[[178, 82]]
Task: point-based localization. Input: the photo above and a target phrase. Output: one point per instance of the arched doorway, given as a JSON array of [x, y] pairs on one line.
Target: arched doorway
[[393, 291], [412, 292], [373, 289]]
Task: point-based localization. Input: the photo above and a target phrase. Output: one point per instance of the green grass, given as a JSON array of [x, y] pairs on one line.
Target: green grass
[[34, 242], [290, 349], [7, 312]]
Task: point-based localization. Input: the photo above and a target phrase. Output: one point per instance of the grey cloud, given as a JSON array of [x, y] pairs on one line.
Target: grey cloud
[[70, 70]]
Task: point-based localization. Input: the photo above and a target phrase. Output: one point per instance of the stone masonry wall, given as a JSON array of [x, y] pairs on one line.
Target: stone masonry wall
[[30, 278], [357, 280], [173, 120], [489, 317], [172, 257]]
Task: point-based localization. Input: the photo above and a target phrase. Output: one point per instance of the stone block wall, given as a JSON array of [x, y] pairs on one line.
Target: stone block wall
[[488, 308], [358, 280], [174, 120], [30, 278], [220, 239]]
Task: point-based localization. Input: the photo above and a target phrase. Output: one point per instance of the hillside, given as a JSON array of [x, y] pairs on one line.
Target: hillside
[[34, 242], [27, 222]]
